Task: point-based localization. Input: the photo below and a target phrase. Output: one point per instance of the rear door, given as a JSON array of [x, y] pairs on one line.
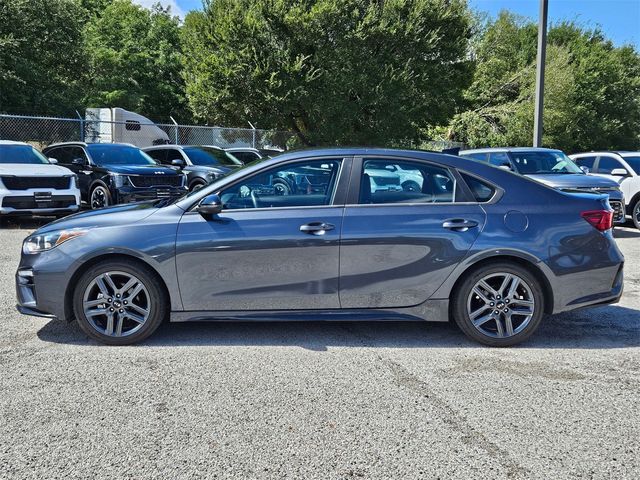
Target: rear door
[[399, 244]]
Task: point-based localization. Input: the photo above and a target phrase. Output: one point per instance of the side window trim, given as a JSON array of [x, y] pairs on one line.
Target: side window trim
[[337, 198]]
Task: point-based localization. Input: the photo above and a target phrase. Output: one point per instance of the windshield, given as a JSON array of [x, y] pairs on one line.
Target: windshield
[[21, 154], [208, 156], [119, 155], [634, 162], [535, 162]]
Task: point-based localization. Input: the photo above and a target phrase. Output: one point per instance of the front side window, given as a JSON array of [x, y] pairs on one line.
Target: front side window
[[607, 164], [300, 184], [397, 181], [499, 159], [585, 162], [543, 163], [105, 154], [634, 163], [21, 154], [207, 156]]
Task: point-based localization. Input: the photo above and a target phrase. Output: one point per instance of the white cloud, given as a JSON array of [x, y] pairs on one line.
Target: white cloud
[[175, 8]]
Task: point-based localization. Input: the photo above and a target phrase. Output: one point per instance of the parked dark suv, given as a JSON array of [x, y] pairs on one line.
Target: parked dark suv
[[553, 168], [201, 164], [112, 173]]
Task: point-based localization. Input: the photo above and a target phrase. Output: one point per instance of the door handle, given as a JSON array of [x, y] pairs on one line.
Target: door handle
[[316, 228], [459, 224]]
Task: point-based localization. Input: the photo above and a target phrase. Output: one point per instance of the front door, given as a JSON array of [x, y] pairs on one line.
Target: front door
[[275, 246], [405, 233]]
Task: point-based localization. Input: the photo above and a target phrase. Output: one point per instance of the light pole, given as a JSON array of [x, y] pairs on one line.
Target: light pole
[[542, 53]]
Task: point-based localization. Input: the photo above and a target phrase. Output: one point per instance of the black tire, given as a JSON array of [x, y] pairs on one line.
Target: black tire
[[411, 186], [157, 304], [196, 186], [635, 214], [97, 193], [462, 299]]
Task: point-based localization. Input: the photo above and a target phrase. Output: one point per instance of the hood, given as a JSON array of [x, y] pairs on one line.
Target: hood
[[34, 170], [104, 217], [208, 169], [574, 180], [140, 169]]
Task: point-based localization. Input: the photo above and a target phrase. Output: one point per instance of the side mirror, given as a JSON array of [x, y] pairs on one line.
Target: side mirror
[[210, 205], [178, 162], [619, 172], [584, 169], [53, 160], [79, 161]]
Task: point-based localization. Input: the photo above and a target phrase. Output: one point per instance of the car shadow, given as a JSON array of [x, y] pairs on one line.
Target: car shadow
[[628, 232], [598, 328]]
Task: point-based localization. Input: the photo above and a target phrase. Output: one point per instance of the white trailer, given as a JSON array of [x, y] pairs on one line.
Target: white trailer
[[117, 125]]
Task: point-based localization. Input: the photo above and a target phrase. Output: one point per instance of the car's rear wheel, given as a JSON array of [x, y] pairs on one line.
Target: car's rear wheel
[[499, 304], [100, 197], [119, 303], [635, 214]]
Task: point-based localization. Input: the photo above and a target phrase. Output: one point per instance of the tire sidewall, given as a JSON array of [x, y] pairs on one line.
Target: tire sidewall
[[459, 306], [107, 196], [157, 299], [634, 214]]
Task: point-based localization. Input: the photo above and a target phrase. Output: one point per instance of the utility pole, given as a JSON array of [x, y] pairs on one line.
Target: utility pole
[[542, 53]]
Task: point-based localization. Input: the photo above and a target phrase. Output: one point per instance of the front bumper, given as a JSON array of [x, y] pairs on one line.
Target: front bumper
[[39, 201]]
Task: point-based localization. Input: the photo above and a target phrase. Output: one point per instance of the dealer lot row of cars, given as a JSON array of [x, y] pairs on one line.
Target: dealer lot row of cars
[[107, 174]]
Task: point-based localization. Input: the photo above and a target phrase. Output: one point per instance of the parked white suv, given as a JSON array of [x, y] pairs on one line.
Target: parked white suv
[[624, 168], [31, 184]]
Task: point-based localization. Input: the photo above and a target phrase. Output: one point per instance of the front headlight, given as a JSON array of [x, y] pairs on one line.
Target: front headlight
[[211, 176], [41, 242], [118, 180], [76, 183]]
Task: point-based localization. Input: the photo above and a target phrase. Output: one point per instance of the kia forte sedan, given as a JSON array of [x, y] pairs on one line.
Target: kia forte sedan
[[492, 250]]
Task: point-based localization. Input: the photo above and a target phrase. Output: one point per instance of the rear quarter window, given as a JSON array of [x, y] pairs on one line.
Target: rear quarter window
[[482, 191]]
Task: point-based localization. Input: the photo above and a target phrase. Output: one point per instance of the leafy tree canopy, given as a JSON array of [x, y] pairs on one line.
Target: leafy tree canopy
[[592, 89], [333, 71]]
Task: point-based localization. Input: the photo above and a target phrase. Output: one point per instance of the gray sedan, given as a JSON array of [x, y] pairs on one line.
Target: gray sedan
[[492, 250]]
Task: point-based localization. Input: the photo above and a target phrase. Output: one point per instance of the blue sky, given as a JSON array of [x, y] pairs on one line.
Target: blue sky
[[619, 19]]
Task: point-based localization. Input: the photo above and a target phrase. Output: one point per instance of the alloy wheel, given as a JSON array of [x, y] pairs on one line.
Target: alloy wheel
[[636, 214], [99, 198], [501, 305], [116, 304]]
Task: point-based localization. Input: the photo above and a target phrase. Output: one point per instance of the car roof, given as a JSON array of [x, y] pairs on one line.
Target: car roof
[[11, 142], [242, 149], [181, 147], [83, 144], [508, 149], [622, 153]]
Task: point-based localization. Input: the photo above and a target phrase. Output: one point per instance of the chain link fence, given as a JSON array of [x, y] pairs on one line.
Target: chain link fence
[[43, 131]]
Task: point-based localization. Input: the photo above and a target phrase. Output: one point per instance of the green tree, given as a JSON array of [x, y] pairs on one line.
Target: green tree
[[592, 89], [134, 61], [332, 71], [41, 57]]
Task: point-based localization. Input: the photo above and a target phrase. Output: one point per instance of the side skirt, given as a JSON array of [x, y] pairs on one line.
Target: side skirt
[[432, 311]]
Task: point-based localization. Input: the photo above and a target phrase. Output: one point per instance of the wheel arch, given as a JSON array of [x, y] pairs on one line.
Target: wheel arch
[[521, 261], [75, 277]]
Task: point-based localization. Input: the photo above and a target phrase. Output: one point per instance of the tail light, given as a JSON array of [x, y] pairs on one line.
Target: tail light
[[600, 219]]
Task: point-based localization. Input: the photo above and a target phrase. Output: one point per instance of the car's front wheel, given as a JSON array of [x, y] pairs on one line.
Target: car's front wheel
[[100, 197], [499, 304], [635, 214], [119, 303]]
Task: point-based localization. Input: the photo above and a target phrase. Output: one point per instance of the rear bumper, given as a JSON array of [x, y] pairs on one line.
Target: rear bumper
[[607, 285]]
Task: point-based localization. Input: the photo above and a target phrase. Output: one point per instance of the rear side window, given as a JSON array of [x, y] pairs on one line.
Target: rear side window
[[482, 192], [394, 181], [483, 157], [586, 162]]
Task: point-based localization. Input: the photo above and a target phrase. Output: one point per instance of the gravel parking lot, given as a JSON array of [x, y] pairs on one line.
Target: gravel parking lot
[[321, 400]]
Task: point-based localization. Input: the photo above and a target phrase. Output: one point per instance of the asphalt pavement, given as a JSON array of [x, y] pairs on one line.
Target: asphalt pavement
[[321, 400]]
